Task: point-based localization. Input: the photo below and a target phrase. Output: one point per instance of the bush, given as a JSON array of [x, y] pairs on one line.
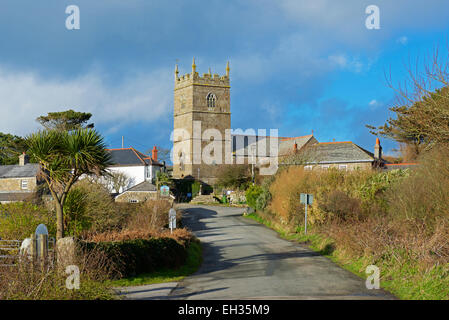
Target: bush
[[101, 213], [252, 194], [195, 188], [76, 220], [132, 257], [19, 220], [340, 205], [26, 281], [424, 194], [150, 215], [234, 176]]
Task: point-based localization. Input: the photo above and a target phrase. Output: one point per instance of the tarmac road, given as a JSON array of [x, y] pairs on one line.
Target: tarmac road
[[246, 260]]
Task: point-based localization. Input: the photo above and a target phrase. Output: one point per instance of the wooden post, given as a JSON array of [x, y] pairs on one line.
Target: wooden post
[[43, 248], [33, 248]]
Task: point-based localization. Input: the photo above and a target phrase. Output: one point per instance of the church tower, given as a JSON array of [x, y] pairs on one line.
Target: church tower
[[200, 103]]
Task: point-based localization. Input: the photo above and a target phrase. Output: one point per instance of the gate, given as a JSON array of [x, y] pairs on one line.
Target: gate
[[10, 250]]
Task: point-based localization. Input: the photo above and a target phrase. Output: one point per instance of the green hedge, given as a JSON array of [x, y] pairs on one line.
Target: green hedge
[[133, 257]]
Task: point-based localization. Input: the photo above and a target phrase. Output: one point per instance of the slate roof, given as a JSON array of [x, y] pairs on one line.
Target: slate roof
[[143, 186], [285, 145], [15, 171], [336, 152], [131, 157]]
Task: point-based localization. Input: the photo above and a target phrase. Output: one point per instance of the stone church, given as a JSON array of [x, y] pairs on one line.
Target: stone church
[[203, 139]]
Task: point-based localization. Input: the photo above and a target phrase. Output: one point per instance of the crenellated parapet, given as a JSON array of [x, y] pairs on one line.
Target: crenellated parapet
[[207, 79]]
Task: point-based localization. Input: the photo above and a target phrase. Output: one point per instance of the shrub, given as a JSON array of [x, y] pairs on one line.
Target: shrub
[[341, 205], [150, 215], [252, 194], [132, 257], [76, 219], [101, 211], [26, 281], [234, 176], [19, 220], [424, 194], [195, 188]]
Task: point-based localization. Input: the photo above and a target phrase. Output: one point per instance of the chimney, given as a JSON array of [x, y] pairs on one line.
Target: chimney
[[377, 150], [295, 148], [23, 159], [154, 153]]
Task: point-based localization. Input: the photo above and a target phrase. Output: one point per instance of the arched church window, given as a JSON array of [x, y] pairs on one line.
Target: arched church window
[[211, 100]]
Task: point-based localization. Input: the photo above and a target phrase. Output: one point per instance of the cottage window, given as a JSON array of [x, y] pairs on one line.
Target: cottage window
[[133, 201], [343, 167], [325, 167], [211, 100], [307, 167], [24, 184]]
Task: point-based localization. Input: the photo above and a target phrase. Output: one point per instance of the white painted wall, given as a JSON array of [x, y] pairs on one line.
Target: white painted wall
[[136, 174]]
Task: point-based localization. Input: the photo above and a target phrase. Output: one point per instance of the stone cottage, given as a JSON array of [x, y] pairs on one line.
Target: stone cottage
[[19, 182]]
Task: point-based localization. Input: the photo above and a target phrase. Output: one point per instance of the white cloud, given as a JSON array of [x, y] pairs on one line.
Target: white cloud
[[373, 102], [25, 96], [402, 40], [353, 64]]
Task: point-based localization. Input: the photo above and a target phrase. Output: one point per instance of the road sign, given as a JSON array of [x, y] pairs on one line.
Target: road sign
[[306, 199], [172, 219], [165, 191]]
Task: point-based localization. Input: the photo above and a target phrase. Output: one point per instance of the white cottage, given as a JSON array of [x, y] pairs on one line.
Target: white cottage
[[137, 166]]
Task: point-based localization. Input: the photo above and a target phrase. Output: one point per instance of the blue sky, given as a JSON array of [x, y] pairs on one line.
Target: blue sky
[[296, 65]]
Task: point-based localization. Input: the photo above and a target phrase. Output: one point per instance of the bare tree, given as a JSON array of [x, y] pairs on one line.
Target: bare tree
[[118, 181], [422, 105]]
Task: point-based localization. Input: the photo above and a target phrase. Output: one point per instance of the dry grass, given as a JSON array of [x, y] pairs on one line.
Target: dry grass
[[29, 281], [397, 221]]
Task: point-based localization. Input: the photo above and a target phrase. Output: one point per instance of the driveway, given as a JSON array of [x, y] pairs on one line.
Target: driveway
[[246, 260]]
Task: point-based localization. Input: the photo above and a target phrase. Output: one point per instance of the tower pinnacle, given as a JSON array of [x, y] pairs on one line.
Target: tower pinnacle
[[193, 65], [227, 69]]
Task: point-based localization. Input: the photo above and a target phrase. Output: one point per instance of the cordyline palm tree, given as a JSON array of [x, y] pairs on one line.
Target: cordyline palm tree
[[64, 157]]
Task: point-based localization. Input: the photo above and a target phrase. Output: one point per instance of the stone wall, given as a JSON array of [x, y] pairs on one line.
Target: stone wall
[[349, 166], [15, 184]]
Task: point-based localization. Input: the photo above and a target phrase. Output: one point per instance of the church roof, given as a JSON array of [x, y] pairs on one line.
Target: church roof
[[285, 145]]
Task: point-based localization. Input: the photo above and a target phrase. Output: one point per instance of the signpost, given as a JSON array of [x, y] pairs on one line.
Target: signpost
[[165, 191], [306, 199], [172, 219]]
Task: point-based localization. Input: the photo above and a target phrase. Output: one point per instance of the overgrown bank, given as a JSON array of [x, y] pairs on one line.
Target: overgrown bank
[[398, 221], [120, 241]]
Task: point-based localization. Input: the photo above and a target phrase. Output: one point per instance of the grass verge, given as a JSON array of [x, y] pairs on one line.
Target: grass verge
[[401, 279], [193, 262]]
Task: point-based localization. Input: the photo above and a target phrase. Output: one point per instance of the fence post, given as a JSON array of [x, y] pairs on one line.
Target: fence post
[[33, 247], [43, 248]]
